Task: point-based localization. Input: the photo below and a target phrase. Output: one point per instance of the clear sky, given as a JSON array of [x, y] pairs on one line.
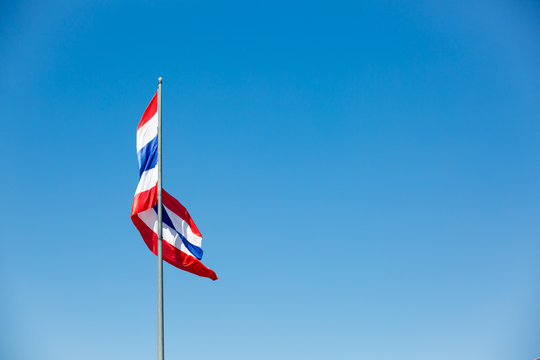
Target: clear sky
[[365, 176]]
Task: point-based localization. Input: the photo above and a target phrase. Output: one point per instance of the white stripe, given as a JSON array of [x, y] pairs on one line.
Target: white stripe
[[148, 180], [149, 217], [172, 237], [183, 227], [147, 132]]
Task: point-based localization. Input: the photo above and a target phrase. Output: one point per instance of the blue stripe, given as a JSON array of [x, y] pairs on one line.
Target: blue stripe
[[195, 250], [148, 156]]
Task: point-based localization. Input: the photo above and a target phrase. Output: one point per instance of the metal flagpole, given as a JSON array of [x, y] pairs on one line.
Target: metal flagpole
[[160, 353]]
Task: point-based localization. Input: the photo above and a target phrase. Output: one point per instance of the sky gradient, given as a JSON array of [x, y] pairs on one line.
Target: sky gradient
[[364, 174]]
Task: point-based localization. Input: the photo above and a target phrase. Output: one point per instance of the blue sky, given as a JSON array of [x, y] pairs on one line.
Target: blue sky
[[365, 176]]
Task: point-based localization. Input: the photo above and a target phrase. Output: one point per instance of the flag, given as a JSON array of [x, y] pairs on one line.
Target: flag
[[181, 238]]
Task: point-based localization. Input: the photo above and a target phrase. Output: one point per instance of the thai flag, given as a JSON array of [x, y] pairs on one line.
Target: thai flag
[[181, 238]]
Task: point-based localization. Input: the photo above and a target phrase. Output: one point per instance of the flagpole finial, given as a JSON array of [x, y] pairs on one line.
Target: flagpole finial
[[160, 79]]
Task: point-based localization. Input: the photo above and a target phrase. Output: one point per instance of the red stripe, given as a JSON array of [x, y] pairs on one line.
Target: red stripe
[[144, 200], [186, 262], [174, 205], [150, 111], [171, 254]]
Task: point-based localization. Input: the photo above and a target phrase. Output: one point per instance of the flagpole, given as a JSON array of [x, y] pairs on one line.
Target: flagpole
[[160, 353]]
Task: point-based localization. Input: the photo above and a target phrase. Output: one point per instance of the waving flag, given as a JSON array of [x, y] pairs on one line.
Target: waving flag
[[181, 238]]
